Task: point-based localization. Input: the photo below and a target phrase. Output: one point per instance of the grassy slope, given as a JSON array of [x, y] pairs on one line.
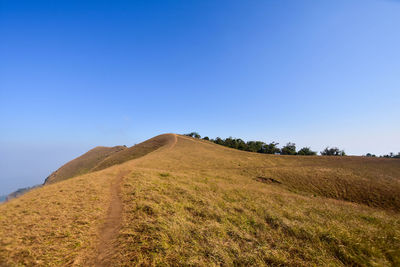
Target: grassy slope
[[83, 164], [54, 224], [101, 158], [20, 192], [134, 152], [200, 203]]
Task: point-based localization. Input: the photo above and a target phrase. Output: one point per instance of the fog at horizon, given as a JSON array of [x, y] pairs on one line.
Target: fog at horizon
[[79, 74]]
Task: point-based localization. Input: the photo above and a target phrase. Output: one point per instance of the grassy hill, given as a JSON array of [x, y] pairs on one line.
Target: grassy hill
[[134, 152], [83, 164], [19, 192], [103, 157], [183, 201]]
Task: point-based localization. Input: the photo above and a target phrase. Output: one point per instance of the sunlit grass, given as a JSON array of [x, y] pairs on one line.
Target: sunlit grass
[[55, 224], [212, 220], [197, 203]]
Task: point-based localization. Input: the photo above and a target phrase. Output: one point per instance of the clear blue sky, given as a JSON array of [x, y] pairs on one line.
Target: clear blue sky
[[77, 74]]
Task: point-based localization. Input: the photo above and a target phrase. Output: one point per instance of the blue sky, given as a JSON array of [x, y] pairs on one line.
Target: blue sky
[[77, 74]]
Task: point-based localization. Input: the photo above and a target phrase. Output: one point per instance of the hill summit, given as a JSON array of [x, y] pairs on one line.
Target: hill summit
[[177, 200]]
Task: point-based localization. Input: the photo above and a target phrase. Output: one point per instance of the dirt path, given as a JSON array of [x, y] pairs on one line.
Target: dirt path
[[109, 230], [174, 142]]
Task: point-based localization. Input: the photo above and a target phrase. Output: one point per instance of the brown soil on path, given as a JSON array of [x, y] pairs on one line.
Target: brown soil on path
[[109, 230], [105, 251], [174, 141]]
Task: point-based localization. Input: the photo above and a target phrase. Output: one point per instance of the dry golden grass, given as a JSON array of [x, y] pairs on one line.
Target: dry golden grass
[[202, 204], [191, 202], [215, 219], [83, 164], [57, 224], [100, 158], [371, 181], [135, 152]]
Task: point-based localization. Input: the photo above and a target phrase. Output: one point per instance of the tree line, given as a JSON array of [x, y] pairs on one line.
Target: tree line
[[268, 148], [272, 148], [390, 155]]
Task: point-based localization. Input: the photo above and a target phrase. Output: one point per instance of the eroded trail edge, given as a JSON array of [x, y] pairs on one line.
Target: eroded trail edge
[[110, 229]]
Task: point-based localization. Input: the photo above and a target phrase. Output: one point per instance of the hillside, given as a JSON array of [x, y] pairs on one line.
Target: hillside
[[19, 192], [83, 164], [103, 157], [135, 151], [183, 201]]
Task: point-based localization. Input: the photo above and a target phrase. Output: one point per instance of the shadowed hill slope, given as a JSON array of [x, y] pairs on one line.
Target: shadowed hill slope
[[83, 164], [136, 151], [192, 202], [103, 157]]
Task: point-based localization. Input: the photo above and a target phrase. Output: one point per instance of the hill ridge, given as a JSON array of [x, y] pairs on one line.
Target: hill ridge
[[102, 157], [191, 202], [82, 164]]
